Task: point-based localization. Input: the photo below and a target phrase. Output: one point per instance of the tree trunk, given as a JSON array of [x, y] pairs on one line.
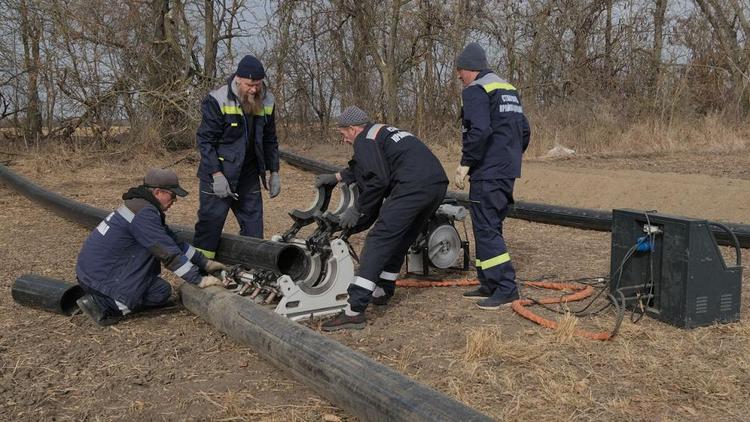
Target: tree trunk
[[31, 32]]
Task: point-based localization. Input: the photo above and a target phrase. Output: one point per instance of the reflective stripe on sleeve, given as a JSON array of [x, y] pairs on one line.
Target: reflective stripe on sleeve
[[184, 269], [190, 252]]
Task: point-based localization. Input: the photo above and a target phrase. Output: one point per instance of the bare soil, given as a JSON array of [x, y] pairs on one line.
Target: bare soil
[[174, 366]]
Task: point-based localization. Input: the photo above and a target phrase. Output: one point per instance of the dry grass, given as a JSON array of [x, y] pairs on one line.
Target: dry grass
[[506, 367]]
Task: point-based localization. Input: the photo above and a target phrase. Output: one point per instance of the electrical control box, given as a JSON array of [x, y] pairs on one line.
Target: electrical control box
[[671, 269]]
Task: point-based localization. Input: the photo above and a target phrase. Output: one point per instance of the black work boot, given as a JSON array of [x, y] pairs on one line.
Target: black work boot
[[497, 301], [88, 305], [479, 293], [342, 321]]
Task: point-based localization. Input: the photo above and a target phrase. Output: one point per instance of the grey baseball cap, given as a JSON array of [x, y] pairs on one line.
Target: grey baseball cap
[[163, 179]]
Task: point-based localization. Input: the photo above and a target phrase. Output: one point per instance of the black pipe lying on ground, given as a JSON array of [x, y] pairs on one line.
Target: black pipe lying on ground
[[370, 390], [349, 379], [580, 218], [278, 257], [46, 293]]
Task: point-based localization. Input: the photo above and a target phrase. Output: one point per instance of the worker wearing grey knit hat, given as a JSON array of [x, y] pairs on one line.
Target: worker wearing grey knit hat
[[495, 134], [472, 57], [388, 163]]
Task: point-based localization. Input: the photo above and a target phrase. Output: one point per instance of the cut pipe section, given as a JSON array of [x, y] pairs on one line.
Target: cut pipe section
[[46, 293]]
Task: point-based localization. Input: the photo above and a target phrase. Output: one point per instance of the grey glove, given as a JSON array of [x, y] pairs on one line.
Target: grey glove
[[274, 184], [349, 218], [328, 179], [221, 187], [209, 280], [214, 266]]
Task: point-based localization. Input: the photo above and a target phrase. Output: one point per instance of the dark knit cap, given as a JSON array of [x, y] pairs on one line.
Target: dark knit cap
[[472, 58], [250, 68], [163, 179], [352, 116]]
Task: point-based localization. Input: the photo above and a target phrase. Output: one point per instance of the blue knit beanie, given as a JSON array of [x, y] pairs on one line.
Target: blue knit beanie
[[472, 58], [250, 68]]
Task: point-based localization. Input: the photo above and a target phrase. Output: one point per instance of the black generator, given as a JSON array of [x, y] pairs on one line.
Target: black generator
[[671, 269]]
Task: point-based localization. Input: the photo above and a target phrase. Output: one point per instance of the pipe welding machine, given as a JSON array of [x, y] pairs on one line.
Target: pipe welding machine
[[671, 268], [322, 289]]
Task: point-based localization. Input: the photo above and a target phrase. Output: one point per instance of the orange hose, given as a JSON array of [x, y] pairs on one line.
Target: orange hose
[[520, 306], [579, 292]]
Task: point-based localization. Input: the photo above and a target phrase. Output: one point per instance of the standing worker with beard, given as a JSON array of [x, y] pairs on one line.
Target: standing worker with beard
[[237, 143]]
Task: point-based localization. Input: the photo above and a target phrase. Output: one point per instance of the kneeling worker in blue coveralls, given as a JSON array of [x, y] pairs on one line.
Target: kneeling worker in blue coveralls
[[389, 164], [120, 262], [496, 133]]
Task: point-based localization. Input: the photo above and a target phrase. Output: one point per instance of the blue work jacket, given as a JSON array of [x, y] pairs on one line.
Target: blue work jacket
[[228, 139], [123, 255], [495, 131]]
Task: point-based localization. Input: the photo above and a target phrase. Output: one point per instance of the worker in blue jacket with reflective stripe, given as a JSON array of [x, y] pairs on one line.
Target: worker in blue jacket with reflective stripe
[[237, 144], [401, 183], [120, 262], [495, 135]]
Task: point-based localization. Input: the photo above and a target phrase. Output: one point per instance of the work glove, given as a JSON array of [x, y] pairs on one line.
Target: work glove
[[328, 179], [214, 266], [221, 187], [461, 172], [349, 218], [209, 280], [274, 184]]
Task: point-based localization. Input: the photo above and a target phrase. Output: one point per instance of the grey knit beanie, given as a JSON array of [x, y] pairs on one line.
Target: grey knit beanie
[[472, 58], [352, 116]]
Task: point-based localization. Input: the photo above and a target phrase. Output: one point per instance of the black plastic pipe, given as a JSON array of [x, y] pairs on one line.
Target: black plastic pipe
[[358, 384], [369, 390], [580, 218], [46, 293], [281, 258]]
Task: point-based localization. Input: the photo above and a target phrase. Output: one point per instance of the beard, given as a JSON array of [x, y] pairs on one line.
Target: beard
[[252, 103]]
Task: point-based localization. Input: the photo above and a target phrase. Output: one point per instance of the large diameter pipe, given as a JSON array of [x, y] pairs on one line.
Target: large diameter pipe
[[280, 258], [580, 218], [352, 381], [46, 293]]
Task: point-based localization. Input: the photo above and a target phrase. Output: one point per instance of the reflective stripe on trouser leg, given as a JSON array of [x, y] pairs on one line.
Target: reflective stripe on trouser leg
[[360, 294], [207, 254], [489, 206]]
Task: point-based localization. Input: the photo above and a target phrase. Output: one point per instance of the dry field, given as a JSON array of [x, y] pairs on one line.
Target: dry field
[[174, 366]]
